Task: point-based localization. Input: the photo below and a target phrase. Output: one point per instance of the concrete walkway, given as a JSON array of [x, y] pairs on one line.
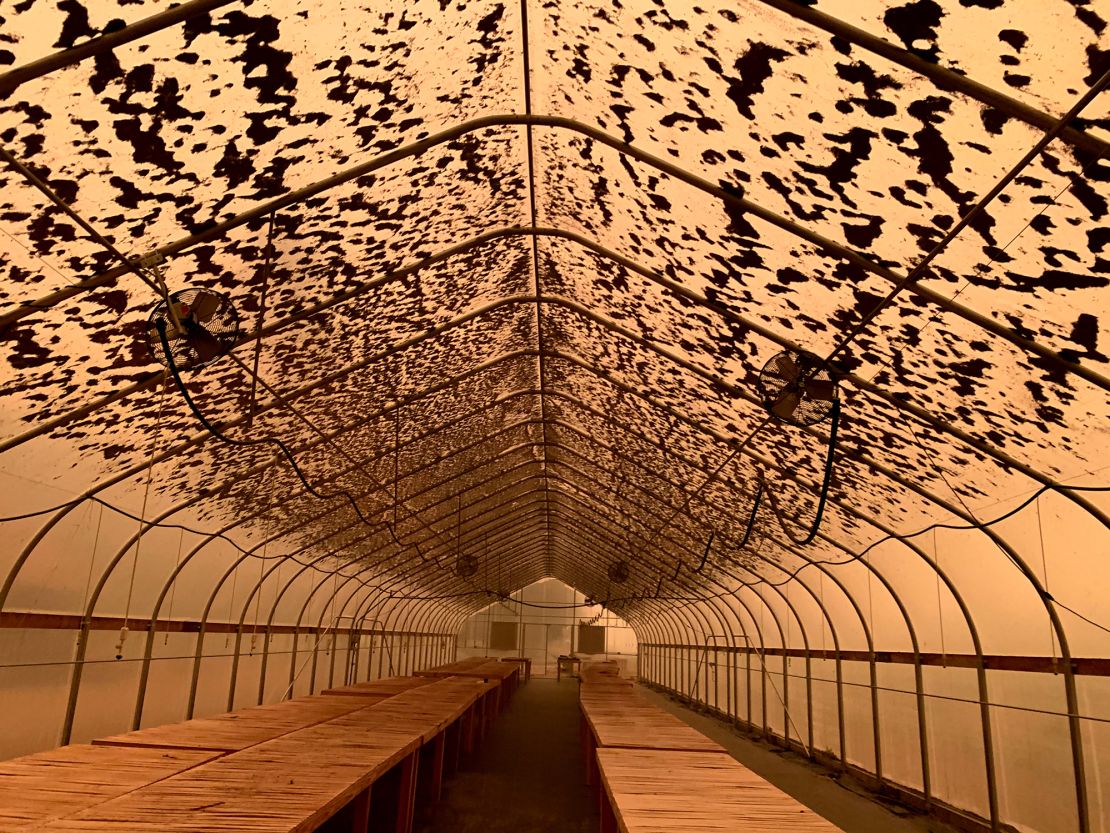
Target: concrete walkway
[[527, 775]]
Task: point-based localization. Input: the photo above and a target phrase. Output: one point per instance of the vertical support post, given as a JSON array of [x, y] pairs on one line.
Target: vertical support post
[[406, 794], [359, 810], [608, 817]]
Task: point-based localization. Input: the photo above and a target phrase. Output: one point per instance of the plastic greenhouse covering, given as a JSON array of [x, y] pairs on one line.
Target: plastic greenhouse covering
[[507, 275]]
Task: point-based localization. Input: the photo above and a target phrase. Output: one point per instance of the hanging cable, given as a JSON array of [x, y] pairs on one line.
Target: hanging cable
[[331, 441], [705, 555], [92, 559], [751, 516], [319, 639], [826, 480], [173, 585], [1044, 570], [267, 269], [215, 432], [919, 270], [231, 603], [940, 606], [142, 520]]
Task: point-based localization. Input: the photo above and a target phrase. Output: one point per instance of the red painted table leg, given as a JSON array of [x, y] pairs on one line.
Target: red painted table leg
[[406, 795], [608, 818], [591, 757], [438, 755], [360, 812]]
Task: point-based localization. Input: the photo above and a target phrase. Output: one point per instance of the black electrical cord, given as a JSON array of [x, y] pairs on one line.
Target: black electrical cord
[[759, 487], [215, 432], [762, 488], [704, 555], [826, 480], [896, 537]]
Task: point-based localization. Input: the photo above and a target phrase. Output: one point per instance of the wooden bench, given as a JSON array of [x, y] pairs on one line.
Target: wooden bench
[[389, 686], [450, 715], [357, 772], [293, 783], [599, 670], [571, 665], [652, 791], [243, 728], [623, 718], [526, 662], [38, 789], [505, 674], [450, 668]]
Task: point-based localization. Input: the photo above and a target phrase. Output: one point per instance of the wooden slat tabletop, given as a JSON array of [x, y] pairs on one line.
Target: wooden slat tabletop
[[242, 728], [293, 783], [606, 685], [390, 686], [453, 667], [628, 720], [654, 791], [50, 785], [598, 671], [493, 669], [428, 710], [288, 785]]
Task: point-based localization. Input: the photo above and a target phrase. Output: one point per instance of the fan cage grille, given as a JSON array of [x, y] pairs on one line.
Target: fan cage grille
[[780, 376], [222, 325]]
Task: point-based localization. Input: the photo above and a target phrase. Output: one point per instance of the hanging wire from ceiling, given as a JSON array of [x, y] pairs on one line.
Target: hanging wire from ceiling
[[1062, 122], [143, 526], [763, 488], [173, 586], [267, 271], [916, 273], [92, 558], [149, 271], [1043, 593], [253, 443], [135, 267]]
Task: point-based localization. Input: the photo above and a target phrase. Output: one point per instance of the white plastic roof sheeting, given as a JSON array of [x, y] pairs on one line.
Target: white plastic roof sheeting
[[516, 269]]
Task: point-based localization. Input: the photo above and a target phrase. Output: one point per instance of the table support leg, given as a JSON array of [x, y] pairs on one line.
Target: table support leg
[[439, 751], [589, 750], [360, 812], [406, 795], [608, 818]]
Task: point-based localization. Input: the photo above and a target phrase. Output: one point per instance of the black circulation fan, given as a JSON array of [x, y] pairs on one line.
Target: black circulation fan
[[619, 572], [796, 389], [209, 328], [466, 566]]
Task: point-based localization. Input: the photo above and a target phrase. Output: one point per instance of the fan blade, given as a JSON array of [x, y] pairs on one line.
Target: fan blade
[[206, 345], [787, 368], [172, 335], [205, 305], [821, 389], [786, 405]]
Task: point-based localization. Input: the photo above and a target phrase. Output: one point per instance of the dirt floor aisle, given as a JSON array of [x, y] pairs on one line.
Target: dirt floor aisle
[[527, 775]]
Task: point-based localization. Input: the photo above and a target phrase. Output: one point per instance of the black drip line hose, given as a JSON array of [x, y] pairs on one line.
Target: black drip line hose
[[215, 432], [763, 488]]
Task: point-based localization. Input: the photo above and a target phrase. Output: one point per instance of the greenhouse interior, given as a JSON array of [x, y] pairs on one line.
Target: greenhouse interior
[[497, 415]]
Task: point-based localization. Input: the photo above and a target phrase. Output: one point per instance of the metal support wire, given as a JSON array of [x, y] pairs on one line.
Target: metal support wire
[[919, 269], [727, 195], [997, 455], [267, 269], [215, 432], [130, 265]]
